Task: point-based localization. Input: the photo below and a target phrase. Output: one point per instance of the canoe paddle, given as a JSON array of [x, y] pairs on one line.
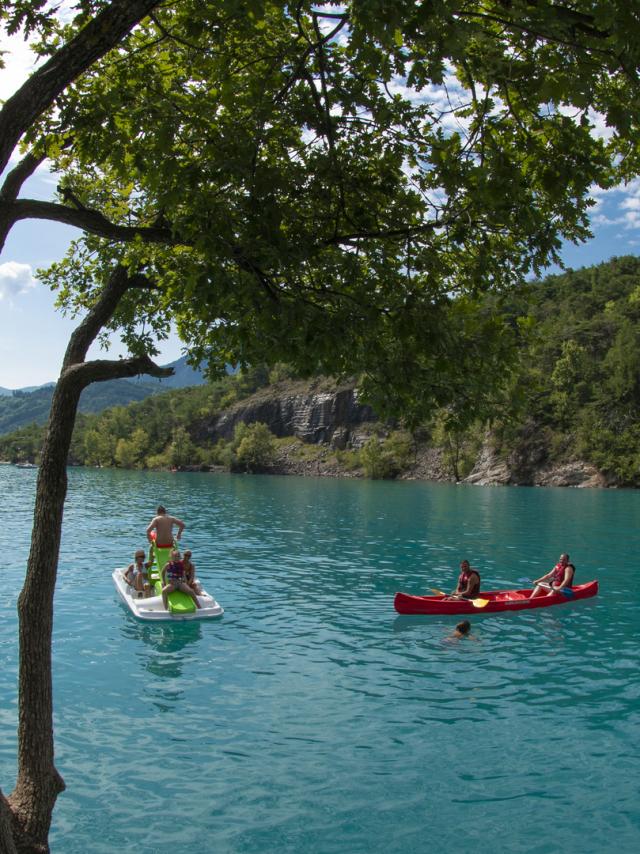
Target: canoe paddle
[[567, 592], [477, 603]]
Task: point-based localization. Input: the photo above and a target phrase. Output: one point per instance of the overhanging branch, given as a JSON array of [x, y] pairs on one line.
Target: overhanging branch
[[88, 220], [100, 370]]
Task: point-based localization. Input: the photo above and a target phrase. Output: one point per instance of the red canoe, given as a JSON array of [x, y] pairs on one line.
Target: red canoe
[[499, 601]]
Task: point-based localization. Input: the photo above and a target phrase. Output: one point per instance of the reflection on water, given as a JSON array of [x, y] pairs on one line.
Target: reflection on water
[[313, 718], [165, 642]]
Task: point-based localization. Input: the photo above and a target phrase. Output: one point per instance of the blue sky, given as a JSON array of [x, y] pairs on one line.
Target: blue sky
[[34, 335]]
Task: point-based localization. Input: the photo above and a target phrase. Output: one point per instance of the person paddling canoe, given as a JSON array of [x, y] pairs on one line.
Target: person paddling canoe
[[468, 582], [560, 576]]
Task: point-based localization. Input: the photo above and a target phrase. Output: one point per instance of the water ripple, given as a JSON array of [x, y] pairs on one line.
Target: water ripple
[[312, 718]]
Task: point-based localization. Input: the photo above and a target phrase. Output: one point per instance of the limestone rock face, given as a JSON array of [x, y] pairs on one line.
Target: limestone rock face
[[574, 473], [489, 470], [529, 465], [314, 416]]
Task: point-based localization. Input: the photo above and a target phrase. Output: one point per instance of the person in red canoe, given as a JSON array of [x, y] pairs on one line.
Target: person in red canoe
[[468, 582], [560, 576]]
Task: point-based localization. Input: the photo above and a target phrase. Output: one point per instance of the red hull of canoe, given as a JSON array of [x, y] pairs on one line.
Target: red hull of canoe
[[499, 601]]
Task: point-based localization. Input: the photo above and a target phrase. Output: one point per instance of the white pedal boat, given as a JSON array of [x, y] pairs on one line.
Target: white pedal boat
[[152, 608]]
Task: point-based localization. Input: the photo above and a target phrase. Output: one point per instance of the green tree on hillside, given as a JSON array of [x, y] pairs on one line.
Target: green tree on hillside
[[182, 451], [622, 365], [570, 381], [252, 447], [99, 448]]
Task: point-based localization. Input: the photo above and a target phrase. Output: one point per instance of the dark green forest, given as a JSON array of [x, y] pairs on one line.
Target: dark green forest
[[576, 391], [580, 375]]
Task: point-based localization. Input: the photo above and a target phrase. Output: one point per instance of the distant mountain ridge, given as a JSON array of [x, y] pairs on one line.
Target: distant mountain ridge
[[20, 407], [7, 392]]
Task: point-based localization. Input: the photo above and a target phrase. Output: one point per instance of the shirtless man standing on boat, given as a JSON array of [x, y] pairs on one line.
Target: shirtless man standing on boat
[[163, 524]]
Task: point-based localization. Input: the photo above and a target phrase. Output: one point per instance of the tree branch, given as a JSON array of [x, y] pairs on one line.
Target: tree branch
[[100, 370], [9, 192], [383, 234], [18, 175], [39, 92], [86, 219], [85, 334]]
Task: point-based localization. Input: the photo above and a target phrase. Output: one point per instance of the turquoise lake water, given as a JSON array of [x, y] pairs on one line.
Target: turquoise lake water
[[311, 718]]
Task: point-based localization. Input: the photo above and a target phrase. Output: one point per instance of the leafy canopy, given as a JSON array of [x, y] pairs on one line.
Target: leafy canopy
[[337, 186]]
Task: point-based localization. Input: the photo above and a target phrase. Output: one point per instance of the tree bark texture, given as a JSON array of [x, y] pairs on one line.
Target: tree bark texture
[[39, 783], [7, 845]]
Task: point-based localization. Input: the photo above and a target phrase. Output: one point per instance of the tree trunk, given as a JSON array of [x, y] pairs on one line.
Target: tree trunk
[[26, 813], [7, 845], [39, 784]]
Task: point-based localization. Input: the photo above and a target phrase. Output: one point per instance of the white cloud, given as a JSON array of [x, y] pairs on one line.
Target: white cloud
[[15, 279], [630, 204], [619, 205]]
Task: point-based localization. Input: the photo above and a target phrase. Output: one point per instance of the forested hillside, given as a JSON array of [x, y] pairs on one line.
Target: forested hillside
[[155, 432], [25, 406], [576, 396], [580, 381]]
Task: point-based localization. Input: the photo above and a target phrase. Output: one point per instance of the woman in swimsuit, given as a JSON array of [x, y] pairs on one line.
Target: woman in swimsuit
[[136, 573], [190, 572], [174, 579]]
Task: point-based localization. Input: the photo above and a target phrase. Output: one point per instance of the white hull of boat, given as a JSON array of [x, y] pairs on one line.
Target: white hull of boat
[[152, 608]]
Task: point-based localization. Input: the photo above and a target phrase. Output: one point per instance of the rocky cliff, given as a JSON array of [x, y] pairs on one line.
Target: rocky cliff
[[327, 418], [319, 413], [490, 470]]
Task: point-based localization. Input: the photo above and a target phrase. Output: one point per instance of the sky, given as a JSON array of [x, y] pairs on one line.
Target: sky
[[34, 335]]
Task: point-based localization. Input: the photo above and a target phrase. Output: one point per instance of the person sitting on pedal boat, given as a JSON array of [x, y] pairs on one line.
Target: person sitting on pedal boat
[[560, 576], [190, 572], [136, 573], [173, 578], [468, 582]]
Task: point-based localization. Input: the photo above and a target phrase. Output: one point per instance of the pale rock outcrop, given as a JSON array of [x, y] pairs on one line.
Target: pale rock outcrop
[[573, 473], [489, 470], [314, 416]]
